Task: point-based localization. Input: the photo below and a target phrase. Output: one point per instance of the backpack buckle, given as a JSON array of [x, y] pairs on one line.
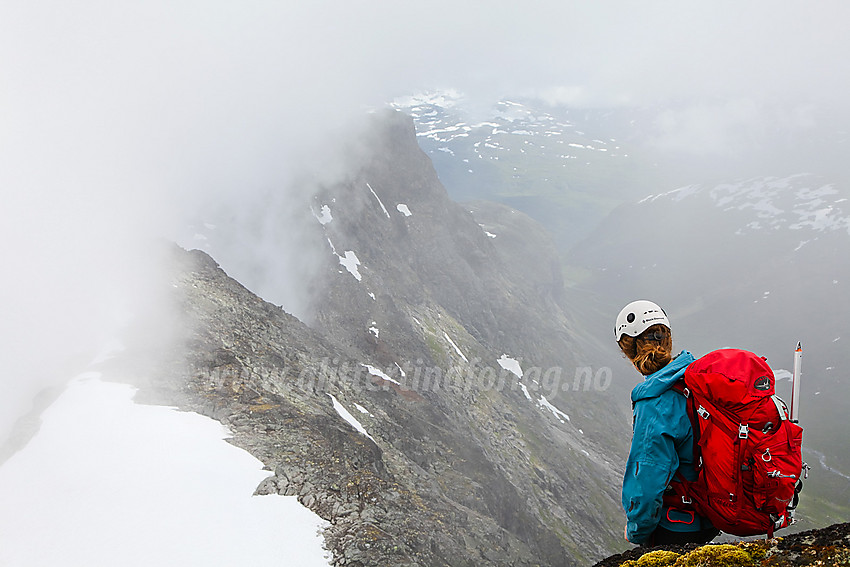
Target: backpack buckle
[[703, 413], [686, 501], [743, 431]]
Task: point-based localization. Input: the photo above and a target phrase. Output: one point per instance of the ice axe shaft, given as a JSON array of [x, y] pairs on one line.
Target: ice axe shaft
[[795, 383]]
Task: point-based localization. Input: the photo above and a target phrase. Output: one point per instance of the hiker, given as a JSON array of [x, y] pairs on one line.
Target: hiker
[[662, 441]]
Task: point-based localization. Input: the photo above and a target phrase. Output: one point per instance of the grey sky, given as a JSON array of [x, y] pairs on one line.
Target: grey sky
[[118, 117]]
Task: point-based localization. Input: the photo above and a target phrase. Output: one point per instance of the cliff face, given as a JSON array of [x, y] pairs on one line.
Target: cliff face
[[430, 412]]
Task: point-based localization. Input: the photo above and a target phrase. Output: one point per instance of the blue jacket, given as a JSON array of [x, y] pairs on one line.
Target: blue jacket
[[662, 444]]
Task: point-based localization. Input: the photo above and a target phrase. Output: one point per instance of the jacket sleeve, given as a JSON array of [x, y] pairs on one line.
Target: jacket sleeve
[[652, 462]]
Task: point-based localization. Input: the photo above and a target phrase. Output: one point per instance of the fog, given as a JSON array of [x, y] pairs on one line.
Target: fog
[[125, 122]]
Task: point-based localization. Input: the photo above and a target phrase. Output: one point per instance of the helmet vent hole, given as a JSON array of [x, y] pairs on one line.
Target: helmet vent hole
[[630, 318]]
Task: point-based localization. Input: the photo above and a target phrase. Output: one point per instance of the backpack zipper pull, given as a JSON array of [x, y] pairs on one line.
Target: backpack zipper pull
[[778, 474]]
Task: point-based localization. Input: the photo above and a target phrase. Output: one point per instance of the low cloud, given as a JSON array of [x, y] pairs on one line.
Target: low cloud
[[127, 122]]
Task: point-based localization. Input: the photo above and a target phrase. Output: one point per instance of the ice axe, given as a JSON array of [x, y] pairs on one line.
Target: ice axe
[[795, 383], [795, 417]]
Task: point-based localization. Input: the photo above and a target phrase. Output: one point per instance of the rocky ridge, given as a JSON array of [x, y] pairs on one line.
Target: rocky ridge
[[414, 413]]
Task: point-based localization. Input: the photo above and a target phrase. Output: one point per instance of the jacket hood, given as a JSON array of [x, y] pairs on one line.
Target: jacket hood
[[659, 382]]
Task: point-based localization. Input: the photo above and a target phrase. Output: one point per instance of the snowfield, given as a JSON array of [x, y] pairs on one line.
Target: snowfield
[[109, 482]]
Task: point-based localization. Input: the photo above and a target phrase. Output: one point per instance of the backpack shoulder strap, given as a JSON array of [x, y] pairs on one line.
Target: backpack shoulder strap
[[690, 407], [680, 387]]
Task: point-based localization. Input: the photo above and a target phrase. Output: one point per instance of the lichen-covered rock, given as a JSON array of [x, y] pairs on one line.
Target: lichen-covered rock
[[723, 555], [827, 546], [659, 558]]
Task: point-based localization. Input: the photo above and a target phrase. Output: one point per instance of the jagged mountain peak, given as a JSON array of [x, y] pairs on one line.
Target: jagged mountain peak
[[398, 238]]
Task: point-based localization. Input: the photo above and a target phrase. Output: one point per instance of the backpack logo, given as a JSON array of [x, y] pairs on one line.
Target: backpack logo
[[762, 384]]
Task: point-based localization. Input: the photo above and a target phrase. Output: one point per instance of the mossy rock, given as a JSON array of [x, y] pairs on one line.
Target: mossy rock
[[660, 558], [724, 555]]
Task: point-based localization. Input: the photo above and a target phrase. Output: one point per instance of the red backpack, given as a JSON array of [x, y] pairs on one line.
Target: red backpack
[[746, 451]]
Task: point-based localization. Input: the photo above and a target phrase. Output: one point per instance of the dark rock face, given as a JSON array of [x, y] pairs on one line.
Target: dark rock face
[[464, 462]]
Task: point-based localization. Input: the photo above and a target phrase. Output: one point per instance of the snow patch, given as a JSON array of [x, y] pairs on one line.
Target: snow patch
[[383, 208], [350, 263], [511, 365], [447, 98], [346, 415], [457, 350], [490, 234], [403, 209], [333, 248], [377, 372], [324, 215], [545, 404], [363, 410]]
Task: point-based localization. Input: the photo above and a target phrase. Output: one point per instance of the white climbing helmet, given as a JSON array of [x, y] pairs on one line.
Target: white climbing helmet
[[638, 316]]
